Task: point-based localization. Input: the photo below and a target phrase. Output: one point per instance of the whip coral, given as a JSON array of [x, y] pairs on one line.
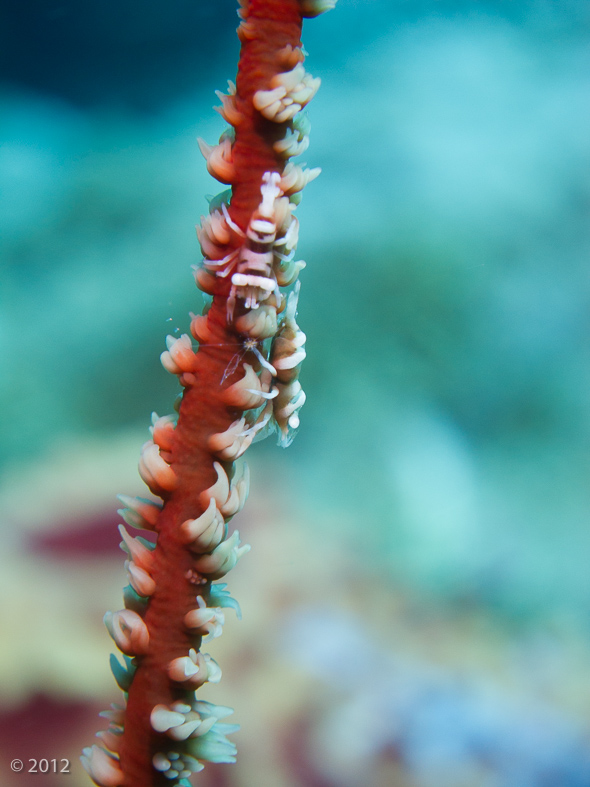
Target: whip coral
[[240, 382]]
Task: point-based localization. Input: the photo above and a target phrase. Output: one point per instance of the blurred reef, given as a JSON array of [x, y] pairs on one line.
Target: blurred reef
[[444, 442]]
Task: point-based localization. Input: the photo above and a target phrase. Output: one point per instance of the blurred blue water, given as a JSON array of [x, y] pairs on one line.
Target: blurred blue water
[[447, 726]]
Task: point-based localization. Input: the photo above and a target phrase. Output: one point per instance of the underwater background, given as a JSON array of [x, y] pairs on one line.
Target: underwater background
[[416, 602]]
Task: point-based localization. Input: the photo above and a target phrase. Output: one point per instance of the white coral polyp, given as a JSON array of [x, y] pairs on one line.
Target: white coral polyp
[[223, 558], [219, 159], [102, 767], [311, 8], [206, 532], [140, 554], [228, 109], [231, 444], [295, 178], [219, 490], [205, 620], [192, 669], [139, 512], [162, 430], [289, 92], [128, 631], [181, 351], [139, 579], [162, 718], [155, 471]]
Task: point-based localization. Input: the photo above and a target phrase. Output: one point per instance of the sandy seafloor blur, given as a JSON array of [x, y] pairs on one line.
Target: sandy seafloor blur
[[416, 599]]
